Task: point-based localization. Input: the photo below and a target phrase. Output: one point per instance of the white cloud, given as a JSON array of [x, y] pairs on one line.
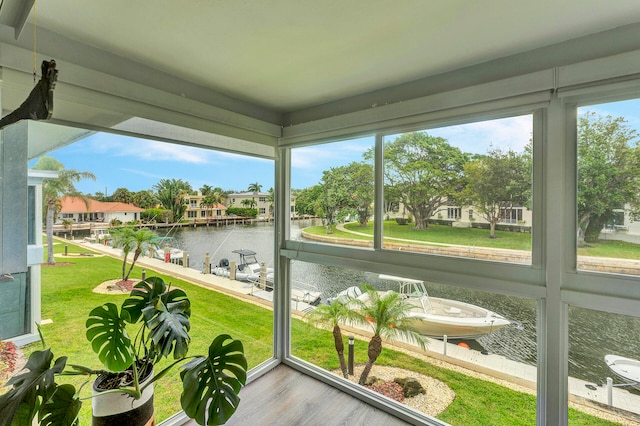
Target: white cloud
[[507, 133]]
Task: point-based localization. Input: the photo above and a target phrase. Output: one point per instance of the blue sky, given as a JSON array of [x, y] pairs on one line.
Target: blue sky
[[137, 164]]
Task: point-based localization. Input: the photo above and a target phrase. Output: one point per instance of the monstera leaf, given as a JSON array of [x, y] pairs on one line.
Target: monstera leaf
[[31, 388], [109, 339], [168, 326], [211, 384], [143, 294], [62, 409]]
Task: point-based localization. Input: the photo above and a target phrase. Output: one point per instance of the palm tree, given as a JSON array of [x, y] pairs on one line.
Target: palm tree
[[331, 316], [249, 203], [68, 224], [388, 316], [54, 189], [254, 187], [132, 239]]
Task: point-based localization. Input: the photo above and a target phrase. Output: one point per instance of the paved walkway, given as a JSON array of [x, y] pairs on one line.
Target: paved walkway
[[492, 365]]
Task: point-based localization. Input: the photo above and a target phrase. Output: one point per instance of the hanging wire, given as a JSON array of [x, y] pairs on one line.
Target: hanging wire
[[35, 4]]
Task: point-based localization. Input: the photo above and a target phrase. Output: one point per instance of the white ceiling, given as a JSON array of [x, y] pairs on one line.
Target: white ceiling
[[288, 55]]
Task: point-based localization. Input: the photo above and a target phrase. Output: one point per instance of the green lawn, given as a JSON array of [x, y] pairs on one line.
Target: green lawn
[[442, 234], [67, 298]]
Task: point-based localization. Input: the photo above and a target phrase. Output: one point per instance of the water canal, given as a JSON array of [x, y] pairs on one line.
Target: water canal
[[592, 334]]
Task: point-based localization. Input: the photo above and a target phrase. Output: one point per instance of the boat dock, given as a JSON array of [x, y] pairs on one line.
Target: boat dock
[[494, 367]]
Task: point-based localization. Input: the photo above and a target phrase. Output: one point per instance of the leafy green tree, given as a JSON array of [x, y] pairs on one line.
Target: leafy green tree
[[334, 195], [54, 189], [331, 316], [131, 239], [496, 183], [425, 170], [608, 172], [171, 195], [387, 314], [145, 199], [122, 195], [306, 200], [360, 182]]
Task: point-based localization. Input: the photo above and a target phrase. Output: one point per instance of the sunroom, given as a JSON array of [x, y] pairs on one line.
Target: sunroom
[[281, 80]]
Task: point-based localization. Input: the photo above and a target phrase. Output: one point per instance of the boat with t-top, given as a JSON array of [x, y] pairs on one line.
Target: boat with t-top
[[435, 316]]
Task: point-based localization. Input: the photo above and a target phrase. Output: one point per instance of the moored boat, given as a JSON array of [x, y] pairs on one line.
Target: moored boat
[[627, 369], [437, 317], [247, 269]]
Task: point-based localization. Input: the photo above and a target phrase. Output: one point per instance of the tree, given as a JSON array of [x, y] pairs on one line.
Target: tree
[[122, 195], [270, 198], [54, 189], [68, 224], [608, 172], [360, 182], [306, 200], [171, 195], [132, 239], [254, 187], [331, 316], [206, 190], [388, 316], [425, 170], [249, 203], [495, 183], [144, 199], [334, 195]]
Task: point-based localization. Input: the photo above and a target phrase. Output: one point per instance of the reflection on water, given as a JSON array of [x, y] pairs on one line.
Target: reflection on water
[[592, 334]]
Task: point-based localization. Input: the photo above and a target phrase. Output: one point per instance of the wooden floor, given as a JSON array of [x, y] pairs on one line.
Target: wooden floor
[[287, 397]]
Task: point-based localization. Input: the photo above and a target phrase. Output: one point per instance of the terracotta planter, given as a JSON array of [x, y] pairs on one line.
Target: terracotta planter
[[116, 409]]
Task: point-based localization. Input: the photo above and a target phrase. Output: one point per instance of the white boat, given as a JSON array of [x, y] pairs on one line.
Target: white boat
[[438, 317], [247, 269], [163, 248], [250, 270], [628, 369]]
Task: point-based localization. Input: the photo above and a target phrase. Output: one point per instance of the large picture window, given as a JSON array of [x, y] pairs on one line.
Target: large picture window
[[608, 183], [433, 175]]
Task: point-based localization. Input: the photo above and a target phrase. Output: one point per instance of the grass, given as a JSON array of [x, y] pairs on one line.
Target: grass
[[67, 298], [442, 234]]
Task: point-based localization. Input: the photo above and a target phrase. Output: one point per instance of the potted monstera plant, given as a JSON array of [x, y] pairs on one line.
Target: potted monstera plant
[[123, 390]]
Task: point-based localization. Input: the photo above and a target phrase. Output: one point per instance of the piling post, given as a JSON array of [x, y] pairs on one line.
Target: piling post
[[207, 263], [263, 275], [232, 270], [444, 340], [351, 354], [609, 391], [185, 259]]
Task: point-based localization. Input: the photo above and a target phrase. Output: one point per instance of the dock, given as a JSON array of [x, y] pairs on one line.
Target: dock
[[495, 367]]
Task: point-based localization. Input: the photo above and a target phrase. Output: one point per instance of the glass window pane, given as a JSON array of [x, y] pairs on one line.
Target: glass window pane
[[608, 212], [498, 338], [332, 189], [169, 190], [483, 169], [604, 348]]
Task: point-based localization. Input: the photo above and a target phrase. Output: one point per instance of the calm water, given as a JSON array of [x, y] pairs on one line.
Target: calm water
[[592, 334]]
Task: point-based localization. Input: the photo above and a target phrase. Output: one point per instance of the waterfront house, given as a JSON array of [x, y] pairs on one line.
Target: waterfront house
[[261, 201], [272, 79], [75, 209], [198, 211]]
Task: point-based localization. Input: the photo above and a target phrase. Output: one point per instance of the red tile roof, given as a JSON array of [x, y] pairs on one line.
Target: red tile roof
[[76, 205]]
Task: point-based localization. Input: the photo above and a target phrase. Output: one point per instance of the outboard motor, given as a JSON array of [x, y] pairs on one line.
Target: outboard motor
[[224, 263]]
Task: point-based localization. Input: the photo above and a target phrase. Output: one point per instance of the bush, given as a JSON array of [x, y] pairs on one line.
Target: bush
[[242, 211]]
